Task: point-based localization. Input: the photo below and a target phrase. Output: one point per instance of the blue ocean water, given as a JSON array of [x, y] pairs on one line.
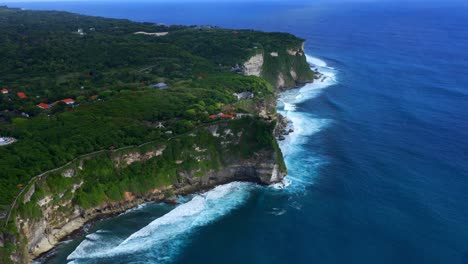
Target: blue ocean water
[[378, 163]]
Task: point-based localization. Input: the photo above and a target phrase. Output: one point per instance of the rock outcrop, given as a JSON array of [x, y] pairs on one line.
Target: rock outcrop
[[253, 67]]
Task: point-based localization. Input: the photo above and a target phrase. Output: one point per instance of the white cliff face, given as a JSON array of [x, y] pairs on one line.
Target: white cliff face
[[254, 65], [281, 82], [292, 52]]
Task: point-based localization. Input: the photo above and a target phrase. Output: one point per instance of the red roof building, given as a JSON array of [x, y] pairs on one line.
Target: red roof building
[[21, 95], [43, 106], [4, 91], [229, 108], [68, 101], [213, 116]]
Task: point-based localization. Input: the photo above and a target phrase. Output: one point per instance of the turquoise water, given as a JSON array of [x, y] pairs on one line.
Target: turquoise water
[[378, 165]]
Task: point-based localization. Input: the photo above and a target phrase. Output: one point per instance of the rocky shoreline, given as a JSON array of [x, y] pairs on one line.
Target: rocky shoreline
[[284, 127]]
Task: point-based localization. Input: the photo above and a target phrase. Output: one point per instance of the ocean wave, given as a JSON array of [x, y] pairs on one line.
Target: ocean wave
[[303, 162], [166, 235], [313, 61], [288, 100]]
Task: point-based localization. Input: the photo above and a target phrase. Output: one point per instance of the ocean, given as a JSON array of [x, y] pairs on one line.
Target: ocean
[[378, 161]]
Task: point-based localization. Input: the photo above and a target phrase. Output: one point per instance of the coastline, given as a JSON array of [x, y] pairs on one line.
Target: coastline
[[284, 130]]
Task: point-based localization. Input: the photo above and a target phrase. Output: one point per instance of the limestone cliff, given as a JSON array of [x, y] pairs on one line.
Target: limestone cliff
[[283, 68]]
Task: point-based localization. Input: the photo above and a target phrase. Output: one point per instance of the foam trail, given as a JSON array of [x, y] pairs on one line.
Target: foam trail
[[317, 62], [165, 236]]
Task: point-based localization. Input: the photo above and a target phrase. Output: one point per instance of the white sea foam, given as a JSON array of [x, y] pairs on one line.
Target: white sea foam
[[135, 209], [304, 125], [313, 61], [165, 235]]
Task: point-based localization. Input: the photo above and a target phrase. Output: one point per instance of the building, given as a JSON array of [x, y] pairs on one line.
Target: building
[[229, 108], [221, 115], [68, 101], [159, 125], [160, 86], [157, 34], [4, 91], [244, 95], [6, 141], [44, 106], [21, 95]]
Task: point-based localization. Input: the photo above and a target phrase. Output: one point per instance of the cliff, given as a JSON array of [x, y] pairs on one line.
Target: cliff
[[283, 67]]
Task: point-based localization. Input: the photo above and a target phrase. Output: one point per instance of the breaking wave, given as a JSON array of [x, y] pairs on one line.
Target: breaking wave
[[302, 162], [163, 238]]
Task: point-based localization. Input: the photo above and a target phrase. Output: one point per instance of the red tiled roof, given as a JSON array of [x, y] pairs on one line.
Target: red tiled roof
[[94, 96], [213, 116], [68, 100], [21, 95], [43, 106], [229, 108], [4, 90]]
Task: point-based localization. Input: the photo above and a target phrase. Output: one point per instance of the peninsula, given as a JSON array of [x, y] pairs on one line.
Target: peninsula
[[105, 114]]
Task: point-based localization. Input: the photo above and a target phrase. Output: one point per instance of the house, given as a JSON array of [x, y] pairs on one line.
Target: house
[[21, 95], [4, 91], [44, 106], [80, 32], [244, 95], [221, 115], [229, 108], [68, 101], [160, 86]]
